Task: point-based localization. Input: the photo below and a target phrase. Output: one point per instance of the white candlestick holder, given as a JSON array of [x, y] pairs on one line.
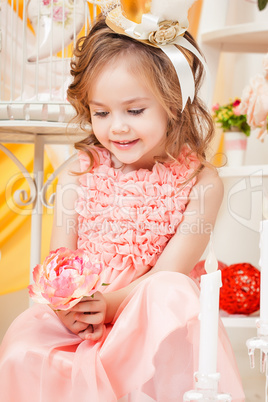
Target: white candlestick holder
[[260, 342], [206, 389]]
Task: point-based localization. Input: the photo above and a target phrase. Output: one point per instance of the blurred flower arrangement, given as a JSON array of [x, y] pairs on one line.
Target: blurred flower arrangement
[[229, 116], [254, 101]]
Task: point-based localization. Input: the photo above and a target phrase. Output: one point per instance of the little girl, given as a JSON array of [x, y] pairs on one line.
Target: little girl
[[142, 200]]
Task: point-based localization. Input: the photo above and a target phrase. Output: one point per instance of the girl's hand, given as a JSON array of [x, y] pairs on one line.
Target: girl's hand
[[86, 318]]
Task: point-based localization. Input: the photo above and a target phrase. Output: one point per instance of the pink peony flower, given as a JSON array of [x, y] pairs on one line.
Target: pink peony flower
[[64, 278]]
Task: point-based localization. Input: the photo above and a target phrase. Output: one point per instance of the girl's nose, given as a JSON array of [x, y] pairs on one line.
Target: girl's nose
[[119, 126]]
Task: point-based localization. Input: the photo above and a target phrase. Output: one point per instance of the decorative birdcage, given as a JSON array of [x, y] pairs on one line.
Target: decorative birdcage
[[37, 38]]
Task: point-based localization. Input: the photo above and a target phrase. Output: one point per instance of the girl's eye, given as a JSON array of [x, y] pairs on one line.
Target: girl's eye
[[101, 114], [136, 111]]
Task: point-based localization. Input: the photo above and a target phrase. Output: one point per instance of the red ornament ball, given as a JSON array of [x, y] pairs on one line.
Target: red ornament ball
[[240, 291], [199, 269]]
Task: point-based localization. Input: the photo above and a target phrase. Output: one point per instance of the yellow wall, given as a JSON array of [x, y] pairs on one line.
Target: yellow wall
[[194, 17], [16, 222]]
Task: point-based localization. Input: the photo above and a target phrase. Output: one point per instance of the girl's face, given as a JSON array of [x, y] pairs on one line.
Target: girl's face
[[127, 119]]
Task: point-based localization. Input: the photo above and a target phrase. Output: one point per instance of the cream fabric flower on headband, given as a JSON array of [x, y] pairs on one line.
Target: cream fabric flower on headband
[[167, 32]]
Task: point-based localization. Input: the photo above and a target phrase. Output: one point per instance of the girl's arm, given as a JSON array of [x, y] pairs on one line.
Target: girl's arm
[[64, 232], [64, 229]]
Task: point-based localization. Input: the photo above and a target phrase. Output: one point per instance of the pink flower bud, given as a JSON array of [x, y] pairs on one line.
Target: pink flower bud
[[215, 107], [236, 103], [237, 111]]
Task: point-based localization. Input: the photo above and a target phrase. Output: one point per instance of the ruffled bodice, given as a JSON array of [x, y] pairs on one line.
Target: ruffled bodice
[[126, 220]]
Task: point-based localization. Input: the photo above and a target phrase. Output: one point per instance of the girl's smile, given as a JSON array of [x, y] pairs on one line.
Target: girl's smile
[[127, 118], [125, 144]]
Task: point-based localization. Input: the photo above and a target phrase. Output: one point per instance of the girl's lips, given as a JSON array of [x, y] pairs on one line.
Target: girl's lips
[[125, 144]]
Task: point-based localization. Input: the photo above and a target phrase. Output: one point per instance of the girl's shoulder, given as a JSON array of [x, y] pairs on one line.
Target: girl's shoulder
[[70, 174], [209, 181], [80, 163], [209, 174]]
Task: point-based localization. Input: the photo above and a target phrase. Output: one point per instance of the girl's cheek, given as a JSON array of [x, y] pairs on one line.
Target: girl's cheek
[[95, 124], [99, 128], [98, 122]]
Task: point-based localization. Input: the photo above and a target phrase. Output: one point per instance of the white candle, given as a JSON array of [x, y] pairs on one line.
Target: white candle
[[264, 271], [209, 315]]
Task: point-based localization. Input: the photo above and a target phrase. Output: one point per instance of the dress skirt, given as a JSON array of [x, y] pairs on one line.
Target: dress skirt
[[150, 352]]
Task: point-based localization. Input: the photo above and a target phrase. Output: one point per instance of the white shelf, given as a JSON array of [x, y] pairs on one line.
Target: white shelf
[[250, 37], [22, 131], [244, 171], [233, 321]]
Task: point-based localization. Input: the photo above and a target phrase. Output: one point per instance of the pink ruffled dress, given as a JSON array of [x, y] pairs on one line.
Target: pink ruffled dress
[[150, 352]]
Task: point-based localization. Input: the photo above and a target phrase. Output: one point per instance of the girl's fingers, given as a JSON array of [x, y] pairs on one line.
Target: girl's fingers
[[68, 319], [96, 318], [97, 334], [78, 326], [92, 333], [62, 314], [93, 306], [86, 318]]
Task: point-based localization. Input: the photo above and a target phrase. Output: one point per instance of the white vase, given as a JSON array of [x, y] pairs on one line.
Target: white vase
[[257, 150], [235, 145]]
